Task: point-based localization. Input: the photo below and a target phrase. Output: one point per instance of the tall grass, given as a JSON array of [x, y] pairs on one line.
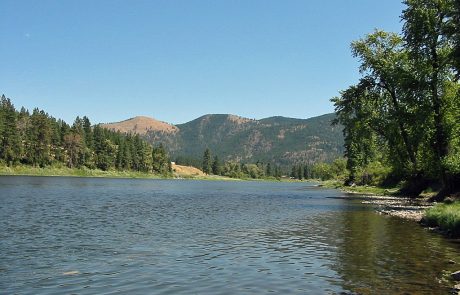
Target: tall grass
[[445, 216], [65, 171]]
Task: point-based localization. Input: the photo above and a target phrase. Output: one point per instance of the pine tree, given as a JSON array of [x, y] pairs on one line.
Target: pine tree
[[216, 169], [88, 133], [77, 133], [306, 172], [299, 172], [294, 172], [161, 163], [207, 161], [10, 141], [39, 139], [268, 170], [101, 149]]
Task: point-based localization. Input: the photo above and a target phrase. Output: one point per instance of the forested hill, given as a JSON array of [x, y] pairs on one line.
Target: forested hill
[[37, 139], [278, 140]]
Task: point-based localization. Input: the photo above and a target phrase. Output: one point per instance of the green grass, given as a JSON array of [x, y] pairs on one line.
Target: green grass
[[65, 171], [444, 216], [359, 189], [61, 170]]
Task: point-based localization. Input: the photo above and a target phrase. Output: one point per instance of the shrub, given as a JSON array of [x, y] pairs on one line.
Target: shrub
[[445, 216]]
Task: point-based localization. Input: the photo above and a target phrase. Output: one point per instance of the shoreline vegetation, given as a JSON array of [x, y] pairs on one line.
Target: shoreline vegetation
[[56, 171], [401, 119]]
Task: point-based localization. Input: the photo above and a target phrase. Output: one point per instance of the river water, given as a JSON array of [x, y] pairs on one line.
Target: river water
[[62, 235]]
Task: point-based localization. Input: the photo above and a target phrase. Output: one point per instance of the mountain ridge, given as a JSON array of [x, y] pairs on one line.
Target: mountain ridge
[[279, 140]]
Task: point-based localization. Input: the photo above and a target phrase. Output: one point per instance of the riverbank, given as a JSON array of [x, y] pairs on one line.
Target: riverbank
[[73, 172], [445, 217], [441, 217], [23, 170]]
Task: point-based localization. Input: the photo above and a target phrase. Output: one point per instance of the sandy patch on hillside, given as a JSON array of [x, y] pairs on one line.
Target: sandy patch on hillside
[[186, 171]]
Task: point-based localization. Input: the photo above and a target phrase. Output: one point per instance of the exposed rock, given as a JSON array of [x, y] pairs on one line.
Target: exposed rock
[[406, 208], [415, 215], [456, 275], [456, 289]]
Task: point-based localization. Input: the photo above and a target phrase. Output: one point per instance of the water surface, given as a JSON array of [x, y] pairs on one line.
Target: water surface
[[117, 236]]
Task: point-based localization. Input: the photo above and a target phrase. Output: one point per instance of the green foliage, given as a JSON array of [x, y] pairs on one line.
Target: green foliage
[[402, 118], [40, 140], [375, 174], [216, 166], [10, 147], [277, 140], [161, 162], [253, 171], [207, 162], [446, 216], [323, 171], [232, 169]]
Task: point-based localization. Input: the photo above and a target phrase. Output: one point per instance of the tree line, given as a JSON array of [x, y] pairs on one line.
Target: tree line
[[211, 165], [402, 119], [40, 140], [319, 170]]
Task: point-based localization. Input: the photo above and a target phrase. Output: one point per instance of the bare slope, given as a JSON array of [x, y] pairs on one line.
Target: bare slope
[[186, 171], [141, 125]]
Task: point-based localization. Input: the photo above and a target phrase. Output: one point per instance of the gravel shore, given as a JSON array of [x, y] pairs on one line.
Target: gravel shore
[[407, 208]]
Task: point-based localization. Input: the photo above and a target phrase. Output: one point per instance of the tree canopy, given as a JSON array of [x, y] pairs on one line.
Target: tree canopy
[[404, 111], [40, 140]]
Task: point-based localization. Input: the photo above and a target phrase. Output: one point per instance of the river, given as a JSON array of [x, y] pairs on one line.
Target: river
[[63, 235]]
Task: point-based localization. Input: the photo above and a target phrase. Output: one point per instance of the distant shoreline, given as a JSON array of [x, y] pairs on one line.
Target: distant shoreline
[[73, 172], [23, 170]]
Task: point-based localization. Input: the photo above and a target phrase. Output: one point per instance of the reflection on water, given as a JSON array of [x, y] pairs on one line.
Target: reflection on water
[[391, 255], [88, 236]]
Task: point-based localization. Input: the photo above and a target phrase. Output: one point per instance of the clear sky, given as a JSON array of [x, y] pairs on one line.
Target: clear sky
[[176, 60]]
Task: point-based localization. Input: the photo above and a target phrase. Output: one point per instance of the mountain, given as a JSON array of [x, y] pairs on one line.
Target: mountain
[[279, 140], [141, 125]]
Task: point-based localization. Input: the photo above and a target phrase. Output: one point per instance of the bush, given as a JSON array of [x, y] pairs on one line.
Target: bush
[[445, 216], [373, 174]]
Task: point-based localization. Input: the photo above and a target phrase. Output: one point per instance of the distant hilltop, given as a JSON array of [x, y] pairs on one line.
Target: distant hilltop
[[140, 125], [278, 140]]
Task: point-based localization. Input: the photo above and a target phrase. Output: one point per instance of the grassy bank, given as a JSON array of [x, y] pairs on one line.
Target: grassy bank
[[359, 189], [446, 217], [85, 172], [65, 171]]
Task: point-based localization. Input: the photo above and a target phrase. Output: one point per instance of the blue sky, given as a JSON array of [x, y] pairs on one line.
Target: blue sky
[[176, 60]]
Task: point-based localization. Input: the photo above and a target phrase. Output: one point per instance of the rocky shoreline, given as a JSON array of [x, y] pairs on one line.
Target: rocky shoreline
[[409, 209], [406, 208], [402, 207]]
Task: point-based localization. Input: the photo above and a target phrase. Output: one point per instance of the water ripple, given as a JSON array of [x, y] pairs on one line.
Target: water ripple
[[102, 236]]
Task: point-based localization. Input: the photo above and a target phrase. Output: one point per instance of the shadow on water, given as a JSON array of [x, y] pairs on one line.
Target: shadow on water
[[387, 255]]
